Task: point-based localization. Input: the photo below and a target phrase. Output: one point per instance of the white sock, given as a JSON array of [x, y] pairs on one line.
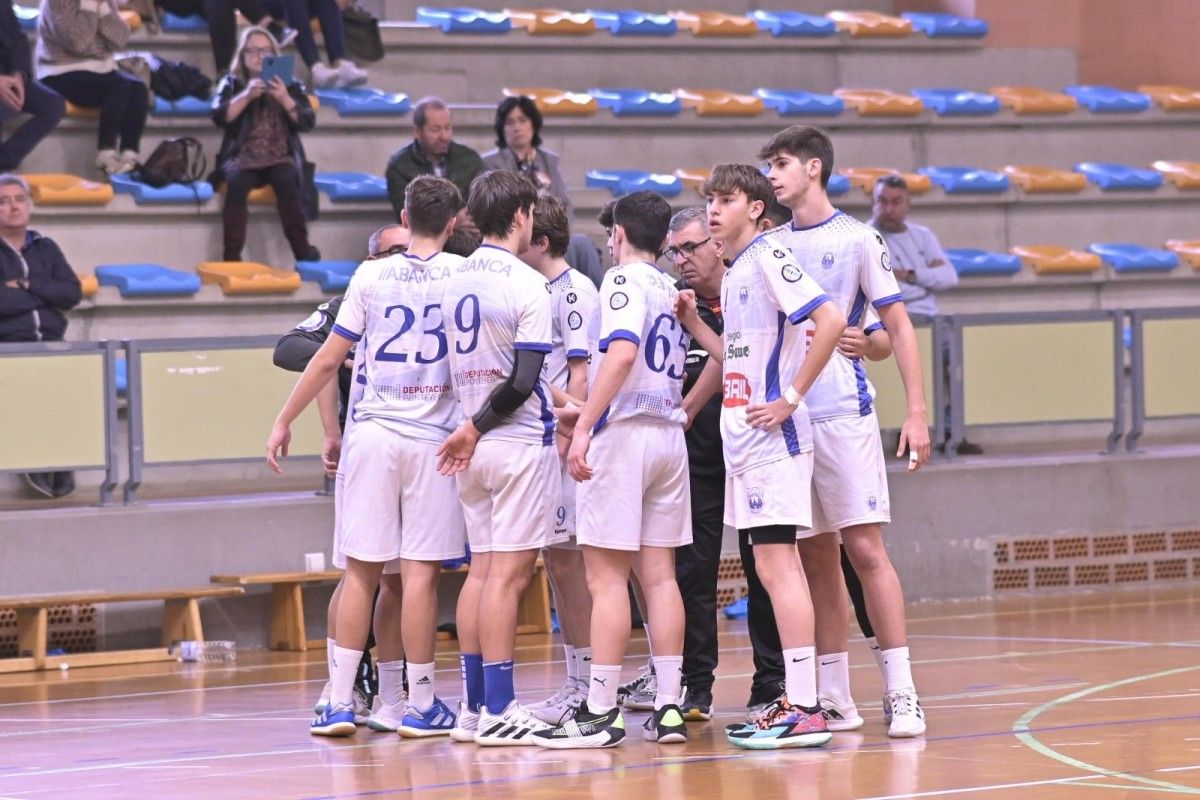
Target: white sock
[[669, 670], [833, 677], [329, 645], [572, 664], [897, 669], [391, 682], [602, 688], [873, 643], [345, 669], [583, 666], [420, 686], [800, 676]]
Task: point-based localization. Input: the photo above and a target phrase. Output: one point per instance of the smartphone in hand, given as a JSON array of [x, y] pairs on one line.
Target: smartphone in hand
[[283, 67]]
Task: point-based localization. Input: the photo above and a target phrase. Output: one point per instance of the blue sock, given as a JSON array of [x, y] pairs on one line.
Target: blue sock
[[472, 678], [498, 685]]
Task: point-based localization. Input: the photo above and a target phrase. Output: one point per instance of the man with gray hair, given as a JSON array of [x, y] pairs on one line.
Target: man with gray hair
[[432, 151]]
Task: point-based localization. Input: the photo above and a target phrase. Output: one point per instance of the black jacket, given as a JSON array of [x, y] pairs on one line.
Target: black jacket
[[14, 46], [462, 166], [297, 347], [36, 314], [705, 458]]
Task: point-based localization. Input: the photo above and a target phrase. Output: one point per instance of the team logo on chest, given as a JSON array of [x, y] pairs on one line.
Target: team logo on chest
[[754, 498], [744, 295], [827, 260]]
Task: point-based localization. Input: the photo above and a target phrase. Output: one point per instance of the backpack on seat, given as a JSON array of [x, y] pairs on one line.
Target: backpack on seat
[[179, 160]]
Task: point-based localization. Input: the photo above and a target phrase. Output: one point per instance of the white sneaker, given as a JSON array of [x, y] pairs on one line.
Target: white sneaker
[[552, 709], [324, 701], [514, 726], [362, 709], [840, 716], [386, 718], [349, 74], [639, 693], [466, 726], [907, 716], [324, 77], [108, 162], [128, 159]]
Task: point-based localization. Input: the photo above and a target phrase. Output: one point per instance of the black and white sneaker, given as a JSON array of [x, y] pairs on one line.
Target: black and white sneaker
[[513, 726], [697, 705], [583, 730], [665, 726]]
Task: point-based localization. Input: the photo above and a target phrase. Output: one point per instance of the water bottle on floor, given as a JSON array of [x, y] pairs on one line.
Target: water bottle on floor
[[211, 652]]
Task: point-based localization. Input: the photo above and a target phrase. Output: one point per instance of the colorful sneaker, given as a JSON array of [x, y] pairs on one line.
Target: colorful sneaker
[[907, 716], [887, 711], [513, 726], [439, 720], [334, 721], [638, 694], [466, 724], [840, 716], [697, 705], [781, 725], [324, 701], [584, 729], [665, 726], [387, 718], [554, 709]]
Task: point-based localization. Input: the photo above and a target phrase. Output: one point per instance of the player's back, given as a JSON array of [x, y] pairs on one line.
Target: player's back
[[575, 305]]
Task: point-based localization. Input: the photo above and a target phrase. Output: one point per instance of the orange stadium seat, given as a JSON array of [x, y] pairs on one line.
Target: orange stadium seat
[[551, 21], [1033, 178], [556, 102], [79, 112], [58, 189], [870, 23], [694, 178], [720, 103], [1173, 98], [1188, 250], [714, 23], [132, 19], [248, 277], [1051, 259], [880, 102], [1184, 174], [864, 178], [89, 284], [1031, 100]]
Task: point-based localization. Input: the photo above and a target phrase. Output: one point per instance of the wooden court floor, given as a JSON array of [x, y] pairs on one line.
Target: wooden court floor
[[1090, 696]]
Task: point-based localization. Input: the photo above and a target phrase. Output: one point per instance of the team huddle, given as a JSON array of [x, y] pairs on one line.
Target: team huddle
[[500, 401]]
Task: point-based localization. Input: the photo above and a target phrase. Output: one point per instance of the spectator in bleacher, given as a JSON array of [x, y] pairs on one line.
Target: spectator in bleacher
[[341, 71], [37, 287], [432, 151], [918, 261], [20, 93], [261, 146], [222, 24], [76, 57]]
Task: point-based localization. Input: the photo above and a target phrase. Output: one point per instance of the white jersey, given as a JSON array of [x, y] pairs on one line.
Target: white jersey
[[393, 310], [494, 305], [851, 262], [764, 298], [575, 309], [637, 303]]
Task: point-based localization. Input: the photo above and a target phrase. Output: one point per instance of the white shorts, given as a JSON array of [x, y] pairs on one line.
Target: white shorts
[[392, 503], [772, 494], [564, 514], [639, 494], [849, 476], [510, 494]]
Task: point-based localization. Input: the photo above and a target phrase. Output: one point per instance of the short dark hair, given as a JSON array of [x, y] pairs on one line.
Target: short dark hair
[[550, 220], [496, 197], [645, 216], [804, 142], [730, 178], [777, 213], [528, 108], [892, 182], [431, 203], [605, 217], [421, 109], [462, 242]]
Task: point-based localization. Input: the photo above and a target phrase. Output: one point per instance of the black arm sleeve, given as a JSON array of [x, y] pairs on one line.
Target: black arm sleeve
[[510, 395]]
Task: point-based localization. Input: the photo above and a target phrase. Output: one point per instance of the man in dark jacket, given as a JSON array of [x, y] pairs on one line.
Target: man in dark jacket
[[37, 286], [432, 151], [20, 93]]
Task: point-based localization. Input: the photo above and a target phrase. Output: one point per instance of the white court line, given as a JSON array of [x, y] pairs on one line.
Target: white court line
[[1072, 744], [1139, 697], [972, 789], [1048, 640], [1179, 769]]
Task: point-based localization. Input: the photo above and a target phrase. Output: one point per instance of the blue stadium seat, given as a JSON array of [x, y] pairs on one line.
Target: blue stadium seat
[[790, 102], [147, 280], [173, 23], [968, 261], [183, 107], [937, 26], [27, 17], [624, 181], [966, 180], [1124, 257], [334, 276], [1119, 176], [350, 187], [144, 194], [122, 376], [627, 22], [364, 102], [1109, 100], [464, 20], [637, 102], [955, 102], [738, 609], [793, 23], [838, 184]]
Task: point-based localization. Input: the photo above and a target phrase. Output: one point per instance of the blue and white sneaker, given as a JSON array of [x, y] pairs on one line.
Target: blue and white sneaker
[[439, 720], [334, 721]]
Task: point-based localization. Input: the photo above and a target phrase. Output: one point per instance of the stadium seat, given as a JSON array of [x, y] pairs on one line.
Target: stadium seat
[[693, 177], [333, 276], [89, 285], [1125, 257], [147, 280], [365, 102], [1031, 100], [966, 180], [1108, 99], [720, 103], [958, 102], [880, 102], [790, 102], [1173, 98], [1187, 249], [624, 181], [870, 23], [556, 102], [938, 26], [351, 187], [26, 17], [1183, 174], [1052, 259], [145, 194], [59, 189], [79, 112], [122, 376], [248, 277], [1033, 178], [551, 21], [464, 20], [1111, 177], [173, 23], [183, 107], [971, 262], [793, 23], [738, 609], [637, 102], [865, 177], [132, 19], [838, 184], [714, 23], [626, 22]]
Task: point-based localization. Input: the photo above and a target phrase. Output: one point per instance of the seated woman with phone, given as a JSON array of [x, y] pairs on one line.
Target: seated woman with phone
[[263, 111]]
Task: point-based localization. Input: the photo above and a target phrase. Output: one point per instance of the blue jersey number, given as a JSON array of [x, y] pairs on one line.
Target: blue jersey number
[[659, 343], [466, 318]]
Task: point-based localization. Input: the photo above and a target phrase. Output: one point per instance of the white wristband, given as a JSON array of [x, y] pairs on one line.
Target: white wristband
[[793, 397]]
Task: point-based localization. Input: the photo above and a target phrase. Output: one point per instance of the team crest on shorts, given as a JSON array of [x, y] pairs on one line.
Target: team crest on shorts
[[827, 260], [754, 496], [872, 502], [744, 294]]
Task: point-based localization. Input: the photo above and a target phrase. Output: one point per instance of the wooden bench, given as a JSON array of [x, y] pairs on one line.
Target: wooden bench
[[288, 630], [181, 621]]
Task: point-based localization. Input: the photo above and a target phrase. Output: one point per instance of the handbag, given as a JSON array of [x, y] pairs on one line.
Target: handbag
[[363, 41]]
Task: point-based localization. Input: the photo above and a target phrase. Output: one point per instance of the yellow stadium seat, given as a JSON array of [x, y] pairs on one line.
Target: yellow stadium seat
[[720, 103], [880, 102], [1184, 174], [79, 112], [1031, 100], [262, 196], [1188, 250], [89, 285], [132, 19], [870, 23], [248, 277], [714, 23], [1173, 98], [556, 102], [551, 21], [1050, 259], [57, 189], [864, 178], [1033, 178], [694, 178]]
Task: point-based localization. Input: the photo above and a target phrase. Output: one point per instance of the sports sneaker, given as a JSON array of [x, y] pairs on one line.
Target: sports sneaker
[[334, 721], [907, 716], [323, 77], [584, 729], [697, 705], [108, 162], [513, 726], [781, 725], [665, 726], [553, 709], [466, 724], [324, 701], [638, 694], [128, 160], [840, 716], [361, 706], [386, 718], [349, 74], [439, 720]]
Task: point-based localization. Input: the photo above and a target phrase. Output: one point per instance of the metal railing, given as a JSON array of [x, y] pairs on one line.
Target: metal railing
[[1186, 404]]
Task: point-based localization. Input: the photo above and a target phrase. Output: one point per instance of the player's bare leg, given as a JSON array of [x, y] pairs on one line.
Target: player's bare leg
[[821, 557]]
